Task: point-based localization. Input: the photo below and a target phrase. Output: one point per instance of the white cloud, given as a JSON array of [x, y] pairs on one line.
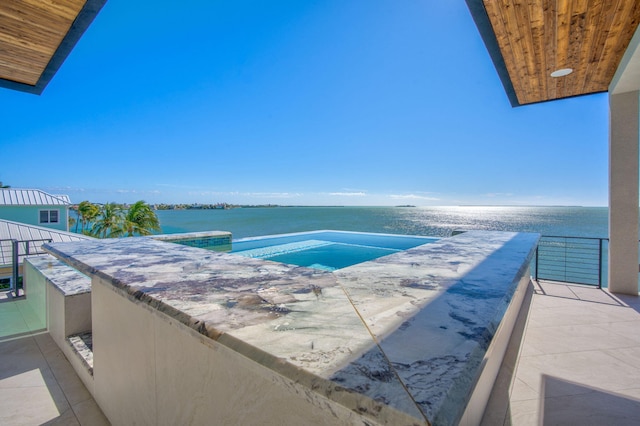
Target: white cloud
[[207, 193], [499, 194], [273, 194], [413, 197], [348, 194], [172, 185]]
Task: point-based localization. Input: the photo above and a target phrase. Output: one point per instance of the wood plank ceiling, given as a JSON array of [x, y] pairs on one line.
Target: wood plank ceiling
[[538, 37], [37, 35], [31, 31]]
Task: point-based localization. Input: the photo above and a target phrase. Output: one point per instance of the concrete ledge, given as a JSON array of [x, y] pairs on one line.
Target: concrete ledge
[[68, 305]]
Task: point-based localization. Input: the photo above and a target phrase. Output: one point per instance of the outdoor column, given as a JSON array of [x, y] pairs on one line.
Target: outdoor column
[[623, 192]]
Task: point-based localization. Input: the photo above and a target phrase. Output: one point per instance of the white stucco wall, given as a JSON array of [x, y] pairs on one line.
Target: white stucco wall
[[150, 369]]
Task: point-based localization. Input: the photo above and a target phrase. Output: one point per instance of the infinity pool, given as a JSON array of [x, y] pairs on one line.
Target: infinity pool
[[326, 250]]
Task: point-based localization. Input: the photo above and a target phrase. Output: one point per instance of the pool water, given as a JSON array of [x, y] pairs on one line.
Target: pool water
[[326, 250]]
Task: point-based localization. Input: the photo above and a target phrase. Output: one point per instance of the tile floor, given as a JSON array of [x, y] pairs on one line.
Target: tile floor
[[578, 362], [38, 385]]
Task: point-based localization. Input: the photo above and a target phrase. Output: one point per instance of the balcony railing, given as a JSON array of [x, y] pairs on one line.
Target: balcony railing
[[576, 260], [21, 249]]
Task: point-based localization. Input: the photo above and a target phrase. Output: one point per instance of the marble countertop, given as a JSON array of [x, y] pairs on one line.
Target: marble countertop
[[406, 330], [66, 280]]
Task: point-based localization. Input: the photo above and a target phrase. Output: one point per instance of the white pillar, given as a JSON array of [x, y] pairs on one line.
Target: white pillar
[[624, 136]]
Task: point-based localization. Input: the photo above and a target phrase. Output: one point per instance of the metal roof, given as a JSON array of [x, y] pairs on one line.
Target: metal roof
[[31, 197], [19, 231]]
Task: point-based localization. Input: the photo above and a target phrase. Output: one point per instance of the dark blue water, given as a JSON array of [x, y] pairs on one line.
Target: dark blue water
[[427, 221]]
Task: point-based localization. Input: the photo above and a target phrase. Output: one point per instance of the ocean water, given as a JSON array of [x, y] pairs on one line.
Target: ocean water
[[426, 221]]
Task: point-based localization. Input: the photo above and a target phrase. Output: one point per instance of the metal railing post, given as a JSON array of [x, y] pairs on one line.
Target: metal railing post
[[600, 263], [537, 260], [14, 267], [565, 257], [15, 260]]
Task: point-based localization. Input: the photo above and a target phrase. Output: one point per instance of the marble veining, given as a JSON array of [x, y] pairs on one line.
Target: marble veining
[[66, 280], [82, 345], [407, 330]]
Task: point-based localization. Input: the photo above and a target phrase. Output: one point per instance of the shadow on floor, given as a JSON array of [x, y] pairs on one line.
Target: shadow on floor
[[579, 291], [566, 402], [39, 386], [498, 407], [26, 376]]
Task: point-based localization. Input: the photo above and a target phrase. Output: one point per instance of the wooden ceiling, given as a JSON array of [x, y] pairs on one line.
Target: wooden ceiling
[[529, 39], [37, 35]]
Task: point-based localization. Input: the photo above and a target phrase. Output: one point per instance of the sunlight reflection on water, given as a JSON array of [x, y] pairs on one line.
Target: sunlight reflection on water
[[429, 221]]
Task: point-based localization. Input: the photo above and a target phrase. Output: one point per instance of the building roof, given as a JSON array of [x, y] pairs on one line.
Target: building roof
[[37, 36], [530, 39], [19, 231], [31, 197]]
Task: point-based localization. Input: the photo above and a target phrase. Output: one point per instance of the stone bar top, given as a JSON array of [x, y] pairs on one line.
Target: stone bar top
[[406, 332], [66, 280]]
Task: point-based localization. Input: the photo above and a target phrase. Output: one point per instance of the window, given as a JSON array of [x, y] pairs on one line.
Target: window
[[49, 216]]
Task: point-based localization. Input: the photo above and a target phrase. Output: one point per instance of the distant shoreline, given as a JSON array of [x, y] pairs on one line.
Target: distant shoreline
[[225, 206]]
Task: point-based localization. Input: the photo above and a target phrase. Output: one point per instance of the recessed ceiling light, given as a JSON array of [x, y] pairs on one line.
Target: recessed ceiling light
[[562, 72]]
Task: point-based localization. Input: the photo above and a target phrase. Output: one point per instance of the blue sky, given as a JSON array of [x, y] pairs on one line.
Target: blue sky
[[333, 102]]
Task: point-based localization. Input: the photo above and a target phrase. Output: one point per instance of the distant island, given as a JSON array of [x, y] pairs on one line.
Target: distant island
[[217, 206], [228, 206]]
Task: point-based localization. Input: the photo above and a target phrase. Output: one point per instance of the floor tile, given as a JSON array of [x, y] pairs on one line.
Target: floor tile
[[30, 406], [65, 375], [629, 356], [633, 302], [572, 338], [578, 315], [68, 418], [579, 361], [524, 413], [27, 378], [89, 414], [628, 330], [520, 391], [590, 368], [19, 356], [46, 344], [39, 386], [559, 291], [593, 408]]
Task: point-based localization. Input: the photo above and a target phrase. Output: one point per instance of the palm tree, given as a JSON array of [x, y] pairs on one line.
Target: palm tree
[[87, 213], [109, 223], [140, 219]]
